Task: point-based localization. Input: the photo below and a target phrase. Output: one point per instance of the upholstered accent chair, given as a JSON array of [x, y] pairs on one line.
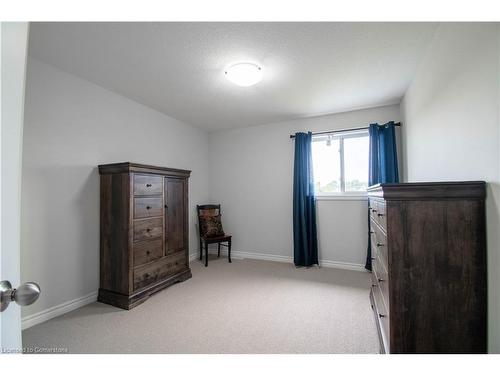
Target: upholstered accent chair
[[211, 231]]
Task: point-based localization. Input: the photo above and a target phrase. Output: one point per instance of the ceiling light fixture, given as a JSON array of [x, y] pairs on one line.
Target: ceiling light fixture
[[244, 74]]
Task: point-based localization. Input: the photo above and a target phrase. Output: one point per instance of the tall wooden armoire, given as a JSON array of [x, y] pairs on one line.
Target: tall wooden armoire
[[144, 231]]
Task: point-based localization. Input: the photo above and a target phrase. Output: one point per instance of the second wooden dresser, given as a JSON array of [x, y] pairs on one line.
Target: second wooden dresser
[[429, 266], [144, 231]]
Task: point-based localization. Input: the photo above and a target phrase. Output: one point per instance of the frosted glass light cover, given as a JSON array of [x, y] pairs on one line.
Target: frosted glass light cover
[[244, 74]]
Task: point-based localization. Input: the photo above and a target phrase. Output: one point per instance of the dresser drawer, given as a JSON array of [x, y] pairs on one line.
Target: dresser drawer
[[379, 273], [148, 185], [373, 208], [379, 243], [382, 316], [159, 270], [148, 228], [147, 251], [378, 213], [381, 215], [148, 207]]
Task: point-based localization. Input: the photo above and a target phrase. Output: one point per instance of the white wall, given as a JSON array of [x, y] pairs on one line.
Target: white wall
[[252, 176], [71, 126], [451, 127]]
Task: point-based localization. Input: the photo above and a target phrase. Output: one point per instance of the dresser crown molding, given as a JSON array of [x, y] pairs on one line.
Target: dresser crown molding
[[429, 190], [128, 167]]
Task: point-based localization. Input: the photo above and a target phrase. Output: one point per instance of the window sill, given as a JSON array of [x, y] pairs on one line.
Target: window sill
[[342, 197]]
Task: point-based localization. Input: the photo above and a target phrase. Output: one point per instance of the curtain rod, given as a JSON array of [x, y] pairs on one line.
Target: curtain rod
[[344, 130]]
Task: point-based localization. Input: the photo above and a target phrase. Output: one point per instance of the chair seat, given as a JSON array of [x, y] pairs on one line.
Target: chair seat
[[216, 239]]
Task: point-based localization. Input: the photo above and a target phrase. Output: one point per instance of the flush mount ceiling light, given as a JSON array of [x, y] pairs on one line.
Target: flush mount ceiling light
[[244, 74]]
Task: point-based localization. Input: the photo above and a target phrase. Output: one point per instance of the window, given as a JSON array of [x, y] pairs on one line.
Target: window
[[340, 162]]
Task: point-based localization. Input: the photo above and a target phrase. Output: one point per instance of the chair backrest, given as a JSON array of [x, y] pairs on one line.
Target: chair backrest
[[207, 210]]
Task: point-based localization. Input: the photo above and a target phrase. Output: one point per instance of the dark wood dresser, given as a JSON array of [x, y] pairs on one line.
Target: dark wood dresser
[[428, 243], [144, 231]]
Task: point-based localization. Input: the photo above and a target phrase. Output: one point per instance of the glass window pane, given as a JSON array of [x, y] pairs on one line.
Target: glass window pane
[[356, 163], [326, 165]]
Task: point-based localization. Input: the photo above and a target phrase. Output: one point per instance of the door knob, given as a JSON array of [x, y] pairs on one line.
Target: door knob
[[24, 295]]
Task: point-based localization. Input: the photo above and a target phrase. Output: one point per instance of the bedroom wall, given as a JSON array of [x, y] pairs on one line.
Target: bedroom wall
[[451, 132], [71, 126], [252, 174]]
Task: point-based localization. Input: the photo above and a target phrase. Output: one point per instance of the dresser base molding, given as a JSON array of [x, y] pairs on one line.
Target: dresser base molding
[[130, 301]]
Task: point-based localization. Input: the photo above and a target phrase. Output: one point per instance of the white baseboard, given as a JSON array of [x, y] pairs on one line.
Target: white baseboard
[[343, 265], [234, 254], [284, 259], [63, 308]]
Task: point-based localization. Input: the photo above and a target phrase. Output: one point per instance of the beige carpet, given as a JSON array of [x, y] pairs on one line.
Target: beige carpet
[[248, 306]]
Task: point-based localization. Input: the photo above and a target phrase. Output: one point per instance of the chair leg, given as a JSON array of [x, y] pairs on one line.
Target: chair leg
[[206, 254], [201, 249], [218, 251], [229, 250]]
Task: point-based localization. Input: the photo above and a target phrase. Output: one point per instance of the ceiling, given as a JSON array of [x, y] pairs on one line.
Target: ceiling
[[310, 69]]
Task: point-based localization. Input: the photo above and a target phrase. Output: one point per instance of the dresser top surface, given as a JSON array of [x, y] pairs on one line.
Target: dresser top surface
[[128, 167], [429, 190]]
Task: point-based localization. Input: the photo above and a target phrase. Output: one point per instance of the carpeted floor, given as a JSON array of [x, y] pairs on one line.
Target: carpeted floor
[[248, 306]]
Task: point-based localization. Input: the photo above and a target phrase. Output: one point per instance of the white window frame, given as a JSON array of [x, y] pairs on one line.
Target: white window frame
[[341, 195]]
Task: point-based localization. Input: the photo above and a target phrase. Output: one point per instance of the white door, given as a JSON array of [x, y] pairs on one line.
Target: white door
[[14, 42]]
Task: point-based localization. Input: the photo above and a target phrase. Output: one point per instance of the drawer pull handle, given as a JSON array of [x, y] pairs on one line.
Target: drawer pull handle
[[382, 315], [374, 285], [380, 215], [374, 210], [148, 185], [379, 244], [148, 207], [380, 280], [372, 232]]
